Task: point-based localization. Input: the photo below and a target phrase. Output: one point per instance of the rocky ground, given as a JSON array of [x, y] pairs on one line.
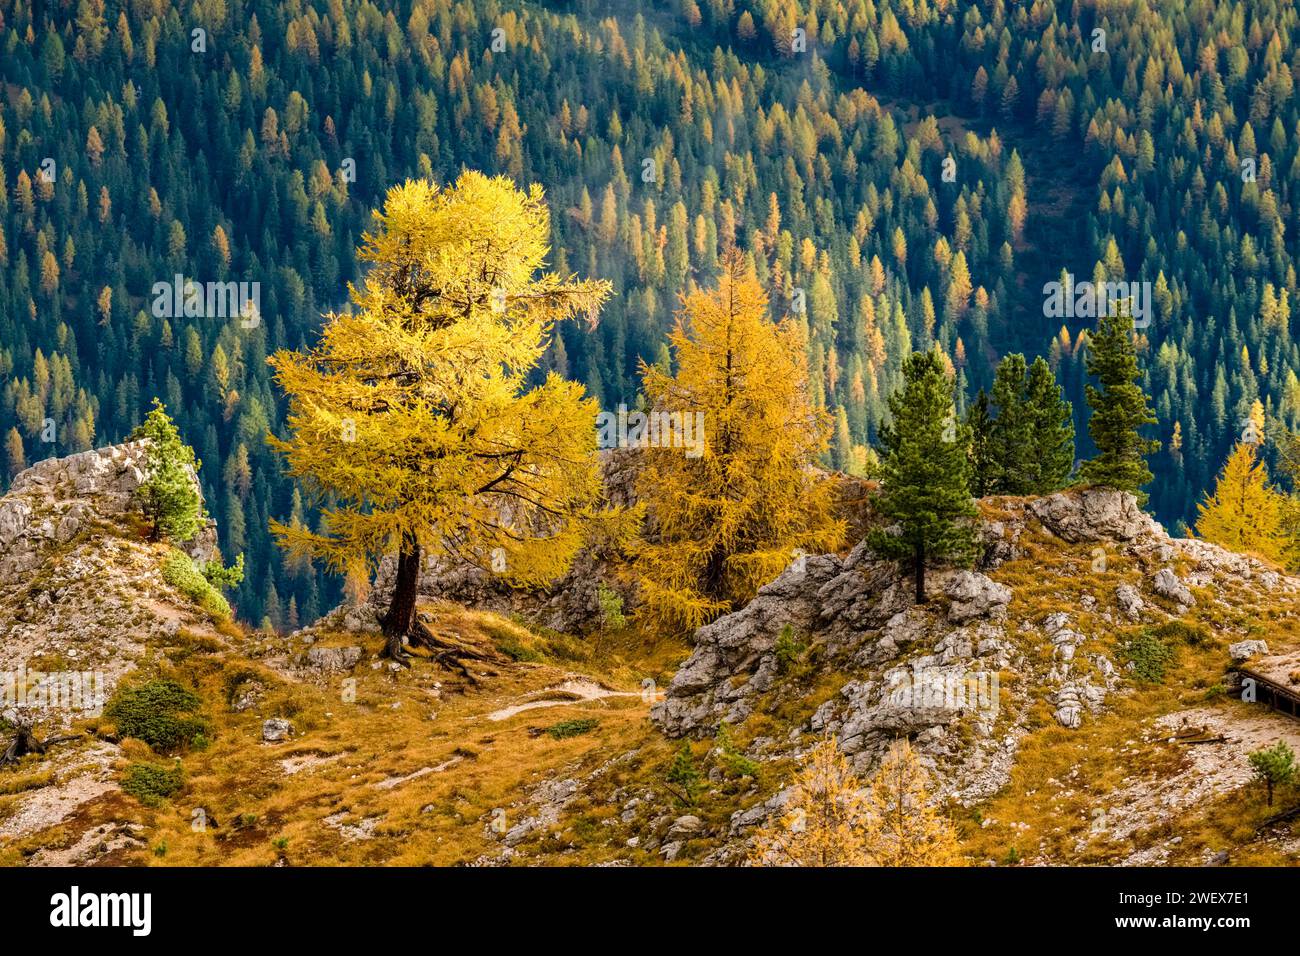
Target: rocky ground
[[1016, 684]]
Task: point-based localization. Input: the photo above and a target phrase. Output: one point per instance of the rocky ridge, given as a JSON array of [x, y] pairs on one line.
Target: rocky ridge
[[79, 589], [959, 675]]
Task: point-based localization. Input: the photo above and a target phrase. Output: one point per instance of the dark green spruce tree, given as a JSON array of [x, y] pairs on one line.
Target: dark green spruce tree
[[1119, 410], [979, 422], [1011, 444], [1052, 420], [925, 472]]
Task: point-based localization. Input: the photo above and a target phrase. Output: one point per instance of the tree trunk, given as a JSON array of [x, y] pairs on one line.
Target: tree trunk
[[714, 573], [26, 742], [399, 622], [919, 572], [402, 624]]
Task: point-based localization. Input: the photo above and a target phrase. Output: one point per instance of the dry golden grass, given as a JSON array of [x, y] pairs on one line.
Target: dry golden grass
[[356, 743], [407, 769], [1062, 776]]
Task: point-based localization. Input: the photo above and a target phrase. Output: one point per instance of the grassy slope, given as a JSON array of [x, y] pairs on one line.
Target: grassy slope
[[269, 803]]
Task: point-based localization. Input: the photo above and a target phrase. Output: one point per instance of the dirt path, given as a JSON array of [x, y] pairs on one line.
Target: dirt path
[[576, 690]]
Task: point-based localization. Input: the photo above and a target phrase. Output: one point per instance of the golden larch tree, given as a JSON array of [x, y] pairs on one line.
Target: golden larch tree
[[831, 818], [827, 818], [908, 829], [411, 418], [1244, 512], [729, 519]]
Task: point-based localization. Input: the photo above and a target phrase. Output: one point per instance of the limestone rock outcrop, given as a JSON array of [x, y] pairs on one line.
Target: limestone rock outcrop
[[57, 499], [81, 592], [932, 672]]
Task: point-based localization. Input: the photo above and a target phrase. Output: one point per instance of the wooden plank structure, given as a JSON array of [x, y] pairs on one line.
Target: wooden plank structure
[[1277, 681]]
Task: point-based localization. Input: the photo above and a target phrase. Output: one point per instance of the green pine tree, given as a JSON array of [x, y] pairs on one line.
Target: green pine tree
[[1011, 436], [1275, 766], [169, 495], [684, 777], [1119, 410], [1053, 429], [979, 422], [925, 472]]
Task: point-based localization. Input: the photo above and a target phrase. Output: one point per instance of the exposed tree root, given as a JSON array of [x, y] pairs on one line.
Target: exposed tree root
[[442, 651], [394, 651], [26, 742], [451, 654]]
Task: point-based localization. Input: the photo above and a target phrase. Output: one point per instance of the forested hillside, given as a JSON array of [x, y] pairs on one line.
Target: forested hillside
[[899, 174]]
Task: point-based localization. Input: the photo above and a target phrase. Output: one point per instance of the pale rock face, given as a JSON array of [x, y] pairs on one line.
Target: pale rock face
[[1166, 584], [76, 581], [1094, 514], [1244, 650], [1130, 601], [53, 501], [1075, 698], [331, 660], [902, 659], [276, 729], [974, 595]]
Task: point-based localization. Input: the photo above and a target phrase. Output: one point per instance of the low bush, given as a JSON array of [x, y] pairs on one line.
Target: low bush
[[1150, 655], [788, 649], [684, 779], [1180, 632], [184, 575], [160, 712], [152, 783], [573, 728]]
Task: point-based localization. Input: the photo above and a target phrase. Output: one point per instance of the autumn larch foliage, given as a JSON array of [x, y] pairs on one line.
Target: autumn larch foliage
[[729, 520], [1244, 513], [411, 419], [831, 818]]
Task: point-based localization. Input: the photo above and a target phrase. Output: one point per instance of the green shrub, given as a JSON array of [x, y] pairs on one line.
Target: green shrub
[[169, 494], [220, 576], [611, 608], [152, 783], [1150, 655], [184, 575], [1275, 766], [1176, 632], [789, 650], [734, 763], [684, 777], [573, 728], [160, 712]]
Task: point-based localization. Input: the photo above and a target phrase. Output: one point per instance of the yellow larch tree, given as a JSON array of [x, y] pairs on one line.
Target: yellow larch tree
[[411, 419], [831, 818], [729, 519], [1244, 512], [909, 830], [827, 818]]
